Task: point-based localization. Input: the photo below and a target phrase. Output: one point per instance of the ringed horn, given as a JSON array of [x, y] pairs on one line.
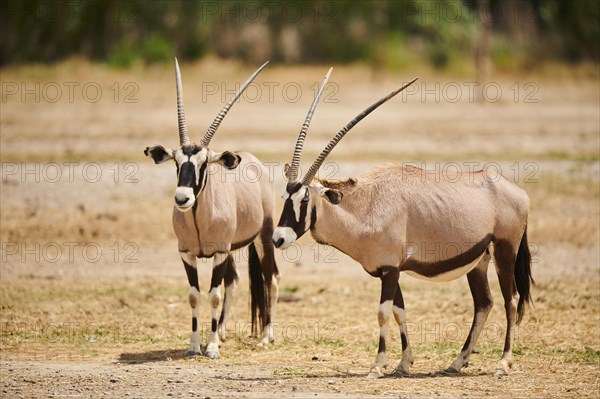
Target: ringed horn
[[306, 180], [292, 172], [183, 136]]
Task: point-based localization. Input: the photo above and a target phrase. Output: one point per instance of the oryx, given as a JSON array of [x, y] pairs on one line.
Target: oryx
[[217, 211], [400, 218]]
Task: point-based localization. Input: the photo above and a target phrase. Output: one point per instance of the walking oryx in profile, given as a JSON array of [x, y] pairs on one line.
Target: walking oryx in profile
[[399, 218], [217, 212]]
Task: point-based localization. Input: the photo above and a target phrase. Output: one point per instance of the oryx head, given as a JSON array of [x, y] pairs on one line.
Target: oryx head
[[301, 196], [192, 159]]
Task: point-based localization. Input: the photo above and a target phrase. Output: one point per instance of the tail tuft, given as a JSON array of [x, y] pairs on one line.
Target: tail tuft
[[258, 298], [523, 278]]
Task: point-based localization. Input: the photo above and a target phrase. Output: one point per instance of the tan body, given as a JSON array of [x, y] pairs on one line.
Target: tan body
[[394, 212]]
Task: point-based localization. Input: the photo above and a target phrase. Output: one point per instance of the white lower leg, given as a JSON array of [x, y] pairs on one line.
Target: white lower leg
[[407, 356], [214, 298], [505, 363], [463, 357], [227, 302], [194, 299], [269, 333], [383, 317]]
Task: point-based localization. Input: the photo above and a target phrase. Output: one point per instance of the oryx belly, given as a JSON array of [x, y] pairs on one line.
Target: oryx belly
[[444, 262], [444, 276]]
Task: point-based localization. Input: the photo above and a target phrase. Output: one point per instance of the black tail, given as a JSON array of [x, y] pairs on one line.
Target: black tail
[[258, 301], [523, 277]]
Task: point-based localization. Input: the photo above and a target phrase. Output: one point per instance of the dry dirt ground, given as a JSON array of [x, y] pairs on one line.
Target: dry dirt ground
[[94, 298]]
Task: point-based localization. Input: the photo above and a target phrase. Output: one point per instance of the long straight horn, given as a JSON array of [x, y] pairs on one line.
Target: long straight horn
[[183, 136], [307, 179], [292, 174], [219, 118]]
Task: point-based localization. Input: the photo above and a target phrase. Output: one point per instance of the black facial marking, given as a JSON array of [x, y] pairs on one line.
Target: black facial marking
[[288, 218], [187, 175], [203, 178], [190, 150], [187, 171]]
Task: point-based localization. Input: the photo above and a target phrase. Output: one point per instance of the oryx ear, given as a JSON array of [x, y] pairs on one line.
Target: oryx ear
[[228, 159], [159, 153], [330, 194]]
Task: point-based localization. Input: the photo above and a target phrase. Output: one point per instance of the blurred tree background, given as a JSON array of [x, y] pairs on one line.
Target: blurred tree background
[[513, 34]]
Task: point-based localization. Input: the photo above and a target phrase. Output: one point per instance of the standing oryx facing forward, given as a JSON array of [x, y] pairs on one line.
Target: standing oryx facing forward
[[397, 218], [216, 213]]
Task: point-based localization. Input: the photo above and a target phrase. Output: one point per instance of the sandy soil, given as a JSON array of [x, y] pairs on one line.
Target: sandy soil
[[94, 299]]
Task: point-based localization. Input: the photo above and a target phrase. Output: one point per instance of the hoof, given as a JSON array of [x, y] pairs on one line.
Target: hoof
[[261, 345], [501, 373], [451, 370], [475, 350], [193, 353], [503, 367], [213, 355], [375, 373]]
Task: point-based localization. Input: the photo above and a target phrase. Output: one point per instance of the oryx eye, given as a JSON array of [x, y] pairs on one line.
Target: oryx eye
[[306, 196]]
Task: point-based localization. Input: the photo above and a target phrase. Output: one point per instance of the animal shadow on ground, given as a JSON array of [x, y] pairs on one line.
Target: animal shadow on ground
[[152, 356], [439, 374]]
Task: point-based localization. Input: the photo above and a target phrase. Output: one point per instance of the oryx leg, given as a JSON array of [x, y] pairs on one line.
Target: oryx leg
[[505, 257], [266, 251], [389, 284], [230, 280], [189, 262], [482, 303], [400, 316], [214, 298]]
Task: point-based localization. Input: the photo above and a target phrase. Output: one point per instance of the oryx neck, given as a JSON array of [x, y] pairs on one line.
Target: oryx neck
[[338, 226]]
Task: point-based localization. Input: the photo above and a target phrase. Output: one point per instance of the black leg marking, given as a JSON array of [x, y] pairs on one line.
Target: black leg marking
[[389, 283], [505, 257], [192, 275], [213, 326], [194, 324], [381, 345], [217, 274], [404, 341], [398, 299], [482, 300]]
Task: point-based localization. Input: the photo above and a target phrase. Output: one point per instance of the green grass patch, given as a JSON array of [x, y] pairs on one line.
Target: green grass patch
[[289, 289], [331, 343]]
